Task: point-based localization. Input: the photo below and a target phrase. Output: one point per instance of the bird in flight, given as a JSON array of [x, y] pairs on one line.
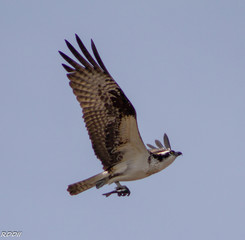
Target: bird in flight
[[111, 121]]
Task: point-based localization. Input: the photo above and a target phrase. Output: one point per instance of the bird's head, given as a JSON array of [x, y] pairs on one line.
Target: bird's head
[[163, 152]]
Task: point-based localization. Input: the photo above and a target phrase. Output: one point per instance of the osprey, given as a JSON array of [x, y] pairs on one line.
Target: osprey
[[110, 119]]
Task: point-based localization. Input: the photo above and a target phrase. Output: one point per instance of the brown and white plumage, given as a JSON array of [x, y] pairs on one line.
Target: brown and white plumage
[[110, 119]]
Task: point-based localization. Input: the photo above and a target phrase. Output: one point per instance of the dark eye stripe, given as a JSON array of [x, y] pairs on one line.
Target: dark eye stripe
[[161, 157]]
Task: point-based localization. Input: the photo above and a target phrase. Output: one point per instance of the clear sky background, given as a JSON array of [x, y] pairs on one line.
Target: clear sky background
[[182, 65]]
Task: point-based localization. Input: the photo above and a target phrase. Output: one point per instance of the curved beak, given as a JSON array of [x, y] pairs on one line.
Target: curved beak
[[178, 154]]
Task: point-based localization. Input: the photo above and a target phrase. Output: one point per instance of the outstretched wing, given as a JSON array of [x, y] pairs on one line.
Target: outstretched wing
[[109, 116]]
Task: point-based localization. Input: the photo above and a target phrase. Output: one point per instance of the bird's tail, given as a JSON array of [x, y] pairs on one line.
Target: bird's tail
[[98, 180]]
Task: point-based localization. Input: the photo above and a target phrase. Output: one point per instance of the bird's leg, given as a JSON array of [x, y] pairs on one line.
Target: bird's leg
[[120, 190]]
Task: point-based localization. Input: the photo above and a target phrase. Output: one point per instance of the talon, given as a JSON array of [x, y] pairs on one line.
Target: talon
[[121, 191]]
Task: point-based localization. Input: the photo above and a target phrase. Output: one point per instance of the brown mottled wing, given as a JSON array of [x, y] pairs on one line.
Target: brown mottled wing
[[107, 112]]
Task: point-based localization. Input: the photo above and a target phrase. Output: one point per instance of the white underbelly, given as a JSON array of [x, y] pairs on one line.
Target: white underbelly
[[139, 168], [131, 170]]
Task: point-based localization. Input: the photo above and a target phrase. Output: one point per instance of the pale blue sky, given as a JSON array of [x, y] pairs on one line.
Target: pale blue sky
[[181, 63]]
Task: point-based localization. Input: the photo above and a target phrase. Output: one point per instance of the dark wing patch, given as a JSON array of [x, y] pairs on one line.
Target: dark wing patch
[[103, 102]]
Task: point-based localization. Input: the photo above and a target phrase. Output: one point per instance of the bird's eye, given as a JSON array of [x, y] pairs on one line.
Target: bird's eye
[[171, 152]]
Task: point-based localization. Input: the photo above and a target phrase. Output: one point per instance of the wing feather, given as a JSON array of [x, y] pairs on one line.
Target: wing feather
[[86, 52], [78, 55], [109, 116], [159, 144], [67, 68]]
